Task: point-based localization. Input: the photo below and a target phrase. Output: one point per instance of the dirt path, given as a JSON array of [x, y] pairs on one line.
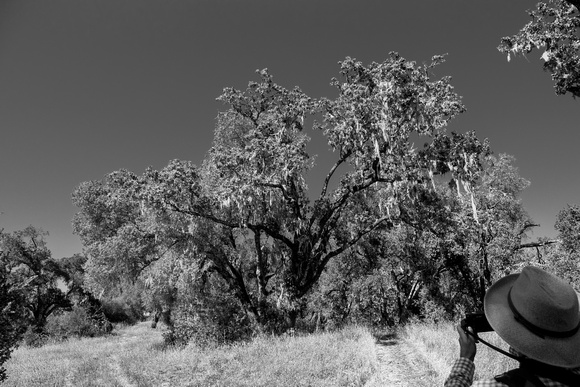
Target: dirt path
[[118, 373], [124, 340], [400, 365]]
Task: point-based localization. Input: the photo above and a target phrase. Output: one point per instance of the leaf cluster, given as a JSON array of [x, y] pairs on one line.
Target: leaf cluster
[[555, 28]]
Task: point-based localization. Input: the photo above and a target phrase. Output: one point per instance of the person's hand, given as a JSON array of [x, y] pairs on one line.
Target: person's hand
[[467, 346]]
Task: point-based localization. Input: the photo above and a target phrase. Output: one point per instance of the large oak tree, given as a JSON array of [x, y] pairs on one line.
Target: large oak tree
[[247, 213]]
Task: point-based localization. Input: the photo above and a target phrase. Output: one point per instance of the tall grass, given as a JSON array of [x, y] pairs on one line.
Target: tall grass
[[135, 357], [439, 344], [71, 363]]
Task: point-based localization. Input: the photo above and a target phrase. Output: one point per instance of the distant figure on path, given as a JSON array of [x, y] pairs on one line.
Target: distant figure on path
[[537, 314]]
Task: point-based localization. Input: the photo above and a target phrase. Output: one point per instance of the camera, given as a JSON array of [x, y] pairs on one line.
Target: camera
[[477, 321]]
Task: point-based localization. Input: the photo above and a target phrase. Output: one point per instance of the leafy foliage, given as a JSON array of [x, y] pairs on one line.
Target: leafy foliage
[[126, 308], [431, 266], [207, 314], [77, 322], [73, 274], [560, 256], [30, 296], [568, 226], [111, 227], [564, 258], [554, 26], [33, 270]]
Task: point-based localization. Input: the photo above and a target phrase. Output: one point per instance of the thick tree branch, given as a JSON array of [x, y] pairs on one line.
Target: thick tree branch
[[332, 171], [536, 244], [256, 228], [333, 210], [527, 226], [320, 267], [200, 214]]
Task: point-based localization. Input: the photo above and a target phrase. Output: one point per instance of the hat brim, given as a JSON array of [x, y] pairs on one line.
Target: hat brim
[[561, 352]]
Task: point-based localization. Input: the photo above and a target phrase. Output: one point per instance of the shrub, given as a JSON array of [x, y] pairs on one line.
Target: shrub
[[32, 337], [76, 323], [208, 315], [221, 323]]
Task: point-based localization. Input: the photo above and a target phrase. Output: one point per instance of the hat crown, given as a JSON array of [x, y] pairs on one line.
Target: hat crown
[[545, 300]]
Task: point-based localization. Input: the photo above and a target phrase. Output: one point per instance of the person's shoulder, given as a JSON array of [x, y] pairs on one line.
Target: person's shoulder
[[517, 377]]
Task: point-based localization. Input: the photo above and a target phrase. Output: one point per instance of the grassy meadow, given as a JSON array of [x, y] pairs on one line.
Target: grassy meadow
[[136, 356]]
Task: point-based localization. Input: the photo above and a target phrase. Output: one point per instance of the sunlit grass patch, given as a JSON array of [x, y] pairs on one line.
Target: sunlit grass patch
[[46, 366], [345, 358], [134, 355]]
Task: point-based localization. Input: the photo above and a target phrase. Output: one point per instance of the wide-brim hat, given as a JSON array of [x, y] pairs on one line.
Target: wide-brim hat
[[537, 314]]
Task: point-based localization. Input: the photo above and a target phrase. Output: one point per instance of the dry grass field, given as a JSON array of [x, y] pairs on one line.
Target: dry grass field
[[134, 356], [417, 355]]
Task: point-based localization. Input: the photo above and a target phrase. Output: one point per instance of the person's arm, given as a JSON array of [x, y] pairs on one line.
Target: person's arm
[[461, 374], [467, 348], [462, 371]]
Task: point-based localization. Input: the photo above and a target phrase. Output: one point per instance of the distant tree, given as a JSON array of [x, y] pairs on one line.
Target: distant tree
[[564, 258], [555, 28], [568, 226], [12, 313], [560, 255], [33, 270], [28, 291]]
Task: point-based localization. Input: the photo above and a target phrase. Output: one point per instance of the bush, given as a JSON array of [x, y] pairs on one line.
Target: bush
[[76, 323], [32, 337], [206, 326], [208, 315]]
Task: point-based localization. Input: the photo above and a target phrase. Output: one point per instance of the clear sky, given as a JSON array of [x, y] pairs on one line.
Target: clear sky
[[91, 86]]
